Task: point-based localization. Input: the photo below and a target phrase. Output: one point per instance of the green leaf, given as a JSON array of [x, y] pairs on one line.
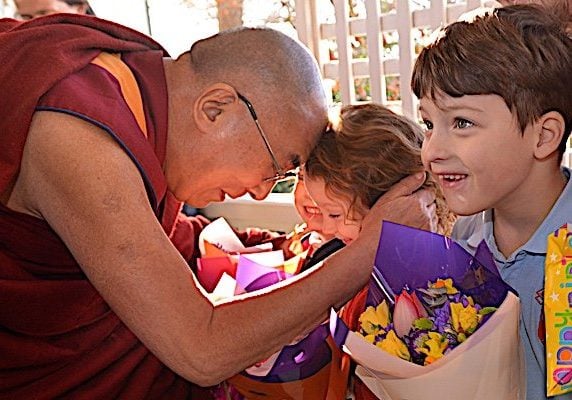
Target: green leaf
[[487, 310], [423, 323]]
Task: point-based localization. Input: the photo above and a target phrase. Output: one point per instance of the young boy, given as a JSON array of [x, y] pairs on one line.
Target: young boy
[[496, 99]]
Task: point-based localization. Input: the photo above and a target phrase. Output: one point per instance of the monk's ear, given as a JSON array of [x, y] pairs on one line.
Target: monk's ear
[[549, 131], [212, 104]]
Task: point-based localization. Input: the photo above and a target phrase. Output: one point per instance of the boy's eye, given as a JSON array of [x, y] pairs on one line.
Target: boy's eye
[[334, 216], [462, 123]]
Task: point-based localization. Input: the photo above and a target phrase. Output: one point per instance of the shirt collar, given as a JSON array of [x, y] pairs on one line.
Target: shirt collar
[[558, 216]]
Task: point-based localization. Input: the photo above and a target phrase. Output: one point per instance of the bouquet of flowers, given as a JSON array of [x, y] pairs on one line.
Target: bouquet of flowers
[[426, 327], [306, 369], [439, 323]]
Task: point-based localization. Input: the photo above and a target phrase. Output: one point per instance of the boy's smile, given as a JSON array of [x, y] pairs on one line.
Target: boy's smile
[[476, 151], [450, 180]]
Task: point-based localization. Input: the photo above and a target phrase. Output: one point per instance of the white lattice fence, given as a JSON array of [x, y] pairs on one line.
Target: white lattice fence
[[403, 21]]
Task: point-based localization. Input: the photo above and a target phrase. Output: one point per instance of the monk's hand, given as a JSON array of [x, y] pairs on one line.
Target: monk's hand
[[405, 203]]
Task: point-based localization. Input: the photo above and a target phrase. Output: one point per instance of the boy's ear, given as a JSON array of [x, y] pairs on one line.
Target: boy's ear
[[551, 128], [213, 101]]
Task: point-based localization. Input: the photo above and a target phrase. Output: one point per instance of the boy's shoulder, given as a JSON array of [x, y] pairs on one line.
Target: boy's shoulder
[[559, 214], [469, 231]]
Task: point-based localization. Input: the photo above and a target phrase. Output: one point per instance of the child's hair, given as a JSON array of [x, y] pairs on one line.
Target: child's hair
[[369, 150], [521, 53]]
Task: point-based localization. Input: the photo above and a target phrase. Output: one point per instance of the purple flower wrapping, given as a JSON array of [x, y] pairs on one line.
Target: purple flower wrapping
[[409, 258]]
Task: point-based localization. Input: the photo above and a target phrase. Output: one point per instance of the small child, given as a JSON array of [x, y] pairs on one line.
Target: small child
[[496, 99], [311, 231], [370, 149], [357, 162], [308, 234], [305, 206]]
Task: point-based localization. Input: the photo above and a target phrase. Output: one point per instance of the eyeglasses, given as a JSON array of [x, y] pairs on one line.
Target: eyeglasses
[[280, 173]]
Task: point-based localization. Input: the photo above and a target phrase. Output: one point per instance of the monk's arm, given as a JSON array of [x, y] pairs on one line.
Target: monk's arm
[[78, 179]]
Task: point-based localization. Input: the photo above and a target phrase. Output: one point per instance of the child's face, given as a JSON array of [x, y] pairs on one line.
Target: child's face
[[334, 210], [476, 151], [305, 206]]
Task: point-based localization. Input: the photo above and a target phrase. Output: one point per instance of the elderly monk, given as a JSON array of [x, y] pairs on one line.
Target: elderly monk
[[102, 137]]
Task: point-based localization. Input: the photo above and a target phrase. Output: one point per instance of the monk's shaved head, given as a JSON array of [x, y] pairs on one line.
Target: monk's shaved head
[[277, 74], [258, 59]]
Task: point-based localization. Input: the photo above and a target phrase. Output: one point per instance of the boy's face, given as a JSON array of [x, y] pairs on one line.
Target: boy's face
[[477, 153], [334, 210]]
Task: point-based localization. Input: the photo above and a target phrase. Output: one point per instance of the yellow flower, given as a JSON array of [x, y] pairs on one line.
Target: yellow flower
[[393, 345], [370, 338], [446, 283], [465, 319], [434, 347], [373, 320]]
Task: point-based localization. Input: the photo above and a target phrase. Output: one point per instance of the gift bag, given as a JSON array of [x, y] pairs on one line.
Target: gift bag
[[558, 311], [488, 364]]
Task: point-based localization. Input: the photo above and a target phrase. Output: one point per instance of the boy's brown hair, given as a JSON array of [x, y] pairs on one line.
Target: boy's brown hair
[[369, 150], [521, 53]]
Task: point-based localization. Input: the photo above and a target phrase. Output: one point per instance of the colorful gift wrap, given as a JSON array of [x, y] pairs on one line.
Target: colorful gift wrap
[[487, 365], [210, 270], [307, 369], [558, 311]]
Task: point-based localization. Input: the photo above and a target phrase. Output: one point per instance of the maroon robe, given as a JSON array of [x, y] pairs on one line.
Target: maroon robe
[[58, 337]]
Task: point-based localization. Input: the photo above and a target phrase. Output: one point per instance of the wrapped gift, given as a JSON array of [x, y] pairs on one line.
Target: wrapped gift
[[308, 368]]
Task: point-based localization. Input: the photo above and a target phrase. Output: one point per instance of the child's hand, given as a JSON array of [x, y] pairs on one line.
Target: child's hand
[[404, 204]]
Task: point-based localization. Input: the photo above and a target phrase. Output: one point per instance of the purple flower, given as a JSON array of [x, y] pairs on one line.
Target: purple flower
[[464, 301], [414, 341], [442, 317]]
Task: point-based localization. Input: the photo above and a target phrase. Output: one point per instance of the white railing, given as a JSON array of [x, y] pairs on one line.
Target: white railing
[[403, 20], [4, 12], [276, 212]]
